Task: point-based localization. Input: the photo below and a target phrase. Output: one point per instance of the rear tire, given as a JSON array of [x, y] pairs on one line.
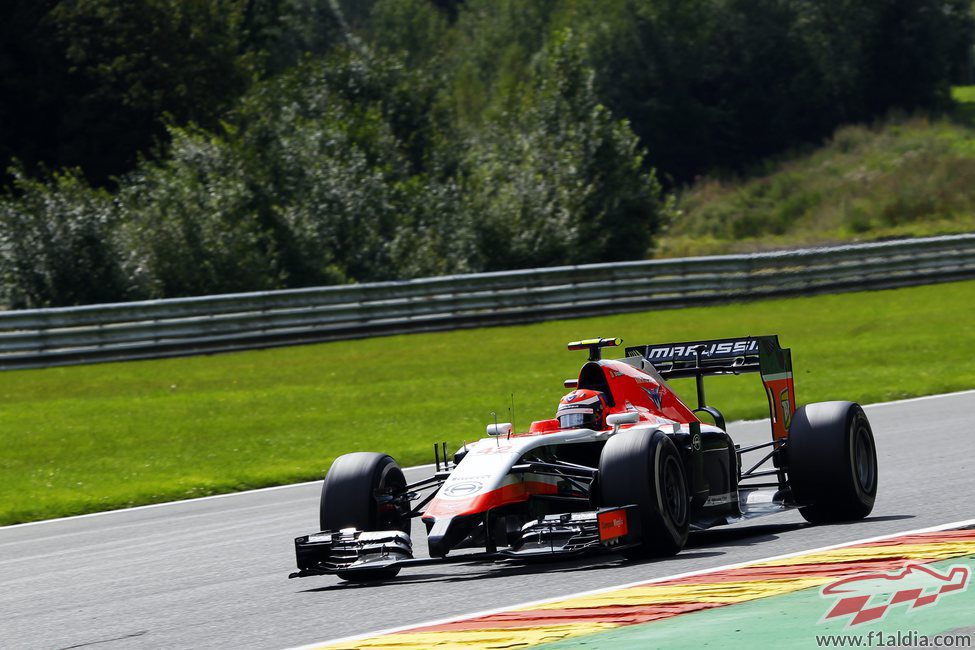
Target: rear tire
[[832, 462], [349, 501], [644, 468]]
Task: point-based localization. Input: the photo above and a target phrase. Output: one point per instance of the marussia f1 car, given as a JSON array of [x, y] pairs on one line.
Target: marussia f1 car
[[625, 466]]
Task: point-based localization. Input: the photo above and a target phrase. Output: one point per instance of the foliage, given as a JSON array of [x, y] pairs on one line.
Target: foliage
[[107, 72], [414, 29], [571, 186], [339, 148], [903, 177], [495, 44], [57, 243], [311, 186], [257, 144], [189, 226], [720, 84]]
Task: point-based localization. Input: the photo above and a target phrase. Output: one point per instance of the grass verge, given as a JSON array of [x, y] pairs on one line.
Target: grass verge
[[904, 177], [87, 438]]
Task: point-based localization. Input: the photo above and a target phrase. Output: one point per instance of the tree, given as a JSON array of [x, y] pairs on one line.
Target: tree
[[560, 181], [721, 84], [337, 155], [57, 243], [32, 79], [131, 63], [913, 47], [189, 224], [490, 55], [413, 29], [90, 83]]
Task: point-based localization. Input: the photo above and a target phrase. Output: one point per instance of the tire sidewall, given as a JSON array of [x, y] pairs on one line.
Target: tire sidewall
[[858, 426], [634, 467], [666, 459], [349, 487], [823, 471]]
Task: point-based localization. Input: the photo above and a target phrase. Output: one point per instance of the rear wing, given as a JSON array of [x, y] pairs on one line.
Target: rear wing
[[699, 359]]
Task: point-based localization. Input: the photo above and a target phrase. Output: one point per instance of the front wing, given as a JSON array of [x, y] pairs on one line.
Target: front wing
[[350, 551]]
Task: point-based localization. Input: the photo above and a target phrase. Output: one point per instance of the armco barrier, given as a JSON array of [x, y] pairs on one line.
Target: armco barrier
[[157, 328]]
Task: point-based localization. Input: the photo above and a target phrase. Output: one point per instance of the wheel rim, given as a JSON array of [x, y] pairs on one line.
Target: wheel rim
[[863, 460], [389, 515], [674, 492]]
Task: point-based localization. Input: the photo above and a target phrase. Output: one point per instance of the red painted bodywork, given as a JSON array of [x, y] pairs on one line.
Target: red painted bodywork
[[630, 387], [781, 395], [511, 493], [612, 525], [544, 426], [630, 390]]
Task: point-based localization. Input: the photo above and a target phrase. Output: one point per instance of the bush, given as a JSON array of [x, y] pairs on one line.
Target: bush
[[57, 244], [189, 224], [560, 181], [347, 176]]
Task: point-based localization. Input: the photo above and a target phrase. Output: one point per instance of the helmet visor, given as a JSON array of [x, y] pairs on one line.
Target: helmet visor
[[577, 419]]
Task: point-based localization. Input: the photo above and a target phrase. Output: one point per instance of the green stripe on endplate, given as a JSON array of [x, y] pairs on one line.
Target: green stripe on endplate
[[789, 621]]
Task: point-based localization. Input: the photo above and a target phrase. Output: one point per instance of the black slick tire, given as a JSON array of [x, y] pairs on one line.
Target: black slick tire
[[832, 462], [644, 468], [349, 500]]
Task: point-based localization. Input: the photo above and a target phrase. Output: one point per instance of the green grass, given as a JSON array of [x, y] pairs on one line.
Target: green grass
[[904, 177], [87, 438], [963, 94]]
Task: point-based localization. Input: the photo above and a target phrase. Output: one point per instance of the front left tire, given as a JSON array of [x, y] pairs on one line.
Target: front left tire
[[644, 468], [352, 498], [349, 493]]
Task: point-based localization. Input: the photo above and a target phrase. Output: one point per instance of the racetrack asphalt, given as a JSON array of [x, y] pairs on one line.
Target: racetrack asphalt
[[212, 573]]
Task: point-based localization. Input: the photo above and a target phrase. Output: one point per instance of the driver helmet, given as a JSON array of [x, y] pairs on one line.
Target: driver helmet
[[582, 409]]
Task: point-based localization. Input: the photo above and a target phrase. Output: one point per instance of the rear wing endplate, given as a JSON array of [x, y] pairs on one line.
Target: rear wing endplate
[[761, 354]]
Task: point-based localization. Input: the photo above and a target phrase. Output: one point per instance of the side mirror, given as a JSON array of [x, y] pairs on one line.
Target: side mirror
[[616, 419], [501, 429]]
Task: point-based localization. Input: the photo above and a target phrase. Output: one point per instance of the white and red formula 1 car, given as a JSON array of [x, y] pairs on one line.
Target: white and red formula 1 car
[[625, 466]]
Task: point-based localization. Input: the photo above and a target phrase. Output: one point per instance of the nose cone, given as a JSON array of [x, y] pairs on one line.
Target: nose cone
[[445, 533], [436, 537]]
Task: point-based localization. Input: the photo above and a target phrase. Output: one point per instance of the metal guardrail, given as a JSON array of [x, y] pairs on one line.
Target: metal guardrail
[[158, 328]]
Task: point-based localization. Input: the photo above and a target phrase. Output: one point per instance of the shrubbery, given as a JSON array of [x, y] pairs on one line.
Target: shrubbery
[[305, 142], [57, 243]]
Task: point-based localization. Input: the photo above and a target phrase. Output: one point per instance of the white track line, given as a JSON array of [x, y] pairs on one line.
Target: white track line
[[895, 402], [406, 469], [225, 495], [602, 590]]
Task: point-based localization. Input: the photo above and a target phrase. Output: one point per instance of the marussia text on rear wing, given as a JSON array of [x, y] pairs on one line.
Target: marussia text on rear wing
[[761, 354]]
